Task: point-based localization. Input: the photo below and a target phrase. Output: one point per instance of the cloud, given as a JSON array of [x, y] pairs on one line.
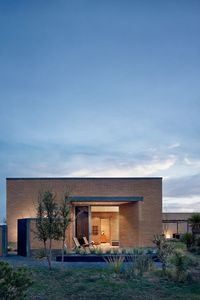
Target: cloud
[[184, 204], [127, 168], [186, 186], [192, 162], [175, 145]]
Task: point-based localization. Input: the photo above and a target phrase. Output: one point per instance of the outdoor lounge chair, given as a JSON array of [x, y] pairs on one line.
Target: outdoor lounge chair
[[76, 242], [83, 246], [86, 243]]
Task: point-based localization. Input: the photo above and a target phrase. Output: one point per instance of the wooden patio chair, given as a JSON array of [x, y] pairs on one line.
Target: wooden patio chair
[[78, 245], [86, 243], [76, 242]]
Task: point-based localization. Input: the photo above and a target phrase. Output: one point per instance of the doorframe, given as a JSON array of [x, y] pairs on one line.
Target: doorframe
[[89, 220]]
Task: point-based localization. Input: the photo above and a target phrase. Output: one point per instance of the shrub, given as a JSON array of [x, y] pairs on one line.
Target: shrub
[[11, 247], [195, 250], [143, 264], [98, 251], [187, 238], [164, 250], [108, 251], [92, 250], [81, 251], [180, 262], [115, 261], [138, 265], [115, 251], [39, 254], [198, 242], [123, 250], [194, 221], [13, 283]]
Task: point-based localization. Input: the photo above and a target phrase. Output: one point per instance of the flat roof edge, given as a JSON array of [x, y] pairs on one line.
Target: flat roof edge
[[106, 198], [80, 178]]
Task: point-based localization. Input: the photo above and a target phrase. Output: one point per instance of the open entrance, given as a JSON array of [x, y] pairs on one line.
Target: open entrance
[[105, 225]]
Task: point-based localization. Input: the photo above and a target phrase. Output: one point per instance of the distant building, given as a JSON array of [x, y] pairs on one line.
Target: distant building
[[176, 224]]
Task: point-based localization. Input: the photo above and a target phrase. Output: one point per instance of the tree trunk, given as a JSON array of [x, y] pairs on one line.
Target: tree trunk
[[50, 254], [47, 255], [63, 247]]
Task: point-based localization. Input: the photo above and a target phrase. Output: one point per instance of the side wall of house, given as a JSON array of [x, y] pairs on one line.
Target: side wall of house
[[150, 213], [129, 225], [140, 221]]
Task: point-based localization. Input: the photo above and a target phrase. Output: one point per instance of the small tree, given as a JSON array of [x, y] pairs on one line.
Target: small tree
[[164, 250], [64, 213], [47, 222], [41, 225]]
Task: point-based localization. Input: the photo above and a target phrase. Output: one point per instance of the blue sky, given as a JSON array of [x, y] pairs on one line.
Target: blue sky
[[102, 88]]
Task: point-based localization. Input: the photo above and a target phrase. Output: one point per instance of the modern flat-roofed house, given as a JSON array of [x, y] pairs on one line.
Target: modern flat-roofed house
[[118, 211]]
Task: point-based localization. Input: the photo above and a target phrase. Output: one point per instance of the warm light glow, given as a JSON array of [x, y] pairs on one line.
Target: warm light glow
[[104, 208], [168, 236]]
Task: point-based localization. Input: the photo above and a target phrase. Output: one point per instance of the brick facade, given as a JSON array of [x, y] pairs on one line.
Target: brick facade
[[138, 221]]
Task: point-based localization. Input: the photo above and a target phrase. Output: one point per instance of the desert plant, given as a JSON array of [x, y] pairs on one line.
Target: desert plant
[[123, 250], [143, 264], [98, 251], [115, 261], [92, 250], [108, 251], [138, 264], [194, 222], [187, 238], [81, 251], [115, 251], [179, 261], [13, 282], [198, 242], [138, 251], [11, 246], [164, 250]]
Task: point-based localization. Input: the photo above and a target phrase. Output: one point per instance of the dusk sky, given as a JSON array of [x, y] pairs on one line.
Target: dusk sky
[[102, 88]]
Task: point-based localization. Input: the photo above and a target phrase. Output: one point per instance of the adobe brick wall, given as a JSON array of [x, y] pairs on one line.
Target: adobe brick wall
[[35, 243], [22, 195], [150, 213], [129, 225], [140, 221]]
